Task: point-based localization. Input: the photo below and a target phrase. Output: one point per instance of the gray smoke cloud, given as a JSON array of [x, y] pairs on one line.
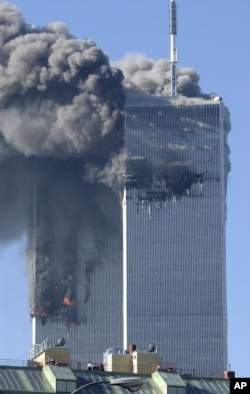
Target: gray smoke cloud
[[61, 133], [58, 95], [143, 75]]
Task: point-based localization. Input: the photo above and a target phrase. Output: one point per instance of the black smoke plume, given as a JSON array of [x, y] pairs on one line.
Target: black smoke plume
[[61, 115]]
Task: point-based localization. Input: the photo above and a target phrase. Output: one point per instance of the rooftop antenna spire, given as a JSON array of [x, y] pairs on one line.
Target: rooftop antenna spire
[[173, 50]]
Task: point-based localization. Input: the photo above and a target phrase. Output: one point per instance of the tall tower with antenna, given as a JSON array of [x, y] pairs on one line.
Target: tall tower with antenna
[[166, 251], [173, 50]]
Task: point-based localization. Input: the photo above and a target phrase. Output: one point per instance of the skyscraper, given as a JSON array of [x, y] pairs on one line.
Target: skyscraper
[[75, 261], [175, 210], [140, 259]]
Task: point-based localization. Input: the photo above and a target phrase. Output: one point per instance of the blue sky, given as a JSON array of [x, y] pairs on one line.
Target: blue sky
[[213, 38]]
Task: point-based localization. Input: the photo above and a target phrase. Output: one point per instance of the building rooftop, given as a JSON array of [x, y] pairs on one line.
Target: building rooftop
[[23, 379], [207, 385], [61, 379]]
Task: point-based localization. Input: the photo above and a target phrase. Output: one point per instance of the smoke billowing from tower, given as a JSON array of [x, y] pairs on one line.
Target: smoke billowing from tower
[[61, 133], [61, 124]]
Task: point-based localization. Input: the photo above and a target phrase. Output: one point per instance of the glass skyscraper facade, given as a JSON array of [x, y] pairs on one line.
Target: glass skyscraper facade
[[175, 232], [173, 247]]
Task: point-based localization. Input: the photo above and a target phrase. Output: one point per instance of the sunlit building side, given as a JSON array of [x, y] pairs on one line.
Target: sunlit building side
[[174, 242]]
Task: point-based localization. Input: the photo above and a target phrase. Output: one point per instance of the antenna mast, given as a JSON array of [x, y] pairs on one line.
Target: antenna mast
[[173, 50]]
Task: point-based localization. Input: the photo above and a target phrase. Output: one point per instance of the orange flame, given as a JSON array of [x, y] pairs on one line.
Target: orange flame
[[68, 301]]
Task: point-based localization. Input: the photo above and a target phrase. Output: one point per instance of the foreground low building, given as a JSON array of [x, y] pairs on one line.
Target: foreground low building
[[51, 371], [61, 379]]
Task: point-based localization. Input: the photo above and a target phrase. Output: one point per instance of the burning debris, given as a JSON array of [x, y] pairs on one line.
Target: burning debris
[[68, 283]]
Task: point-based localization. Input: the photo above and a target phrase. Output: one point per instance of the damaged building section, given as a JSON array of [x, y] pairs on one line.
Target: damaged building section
[[177, 142], [163, 190], [67, 244]]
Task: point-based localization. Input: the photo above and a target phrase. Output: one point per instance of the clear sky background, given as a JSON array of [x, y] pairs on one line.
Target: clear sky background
[[213, 37]]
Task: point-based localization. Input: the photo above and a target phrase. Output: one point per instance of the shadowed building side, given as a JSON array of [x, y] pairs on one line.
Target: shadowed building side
[[77, 273]]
